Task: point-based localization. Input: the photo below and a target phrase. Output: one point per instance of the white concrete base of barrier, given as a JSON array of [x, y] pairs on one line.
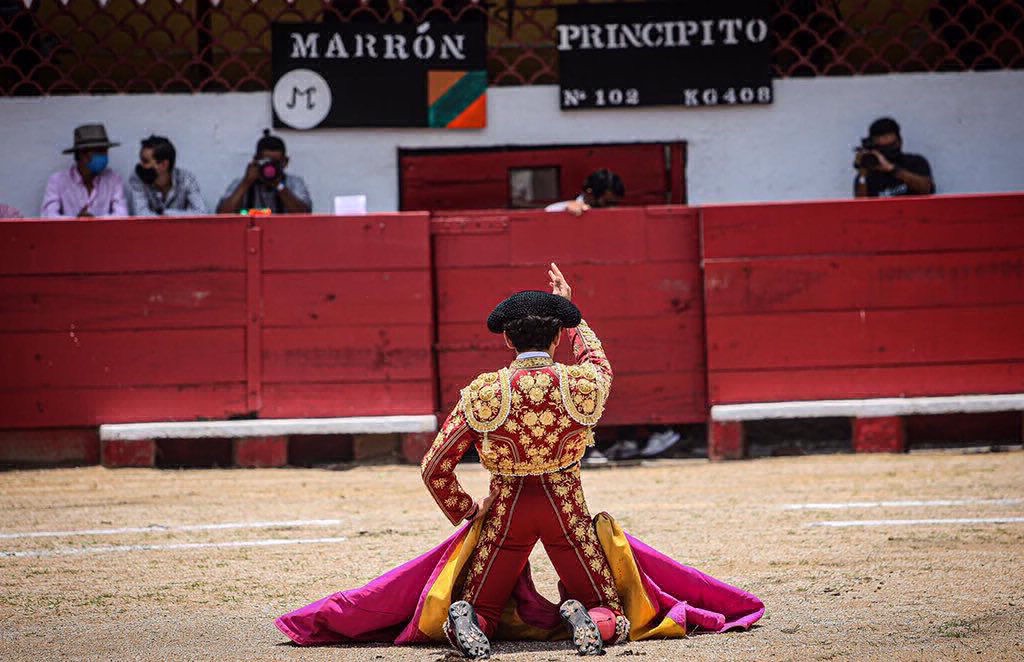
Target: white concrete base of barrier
[[870, 408], [268, 427], [877, 422]]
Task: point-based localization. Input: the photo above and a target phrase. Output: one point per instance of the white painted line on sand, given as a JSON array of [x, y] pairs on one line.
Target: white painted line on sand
[[106, 549], [901, 504], [920, 522], [160, 528]]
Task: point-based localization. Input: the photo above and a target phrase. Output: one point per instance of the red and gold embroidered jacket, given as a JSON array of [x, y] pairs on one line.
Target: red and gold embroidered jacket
[[533, 417]]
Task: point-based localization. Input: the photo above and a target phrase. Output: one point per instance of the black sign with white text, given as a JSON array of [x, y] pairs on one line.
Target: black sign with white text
[[673, 53], [433, 74]]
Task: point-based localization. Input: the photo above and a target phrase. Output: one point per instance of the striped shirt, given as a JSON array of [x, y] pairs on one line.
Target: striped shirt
[[66, 195], [183, 198]]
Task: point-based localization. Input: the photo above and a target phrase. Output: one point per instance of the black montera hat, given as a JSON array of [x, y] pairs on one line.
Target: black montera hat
[[533, 303]]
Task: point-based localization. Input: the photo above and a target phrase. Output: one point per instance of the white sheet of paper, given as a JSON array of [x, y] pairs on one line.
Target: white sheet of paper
[[349, 205]]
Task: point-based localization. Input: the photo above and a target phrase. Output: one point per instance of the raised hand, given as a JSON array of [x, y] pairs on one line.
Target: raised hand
[[558, 284]]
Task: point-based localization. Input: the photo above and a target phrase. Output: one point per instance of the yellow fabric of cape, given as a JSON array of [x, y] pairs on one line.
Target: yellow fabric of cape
[[439, 598], [640, 610]]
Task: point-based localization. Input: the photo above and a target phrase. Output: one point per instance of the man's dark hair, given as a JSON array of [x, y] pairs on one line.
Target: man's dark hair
[[882, 126], [532, 333], [600, 181], [270, 143], [162, 148]]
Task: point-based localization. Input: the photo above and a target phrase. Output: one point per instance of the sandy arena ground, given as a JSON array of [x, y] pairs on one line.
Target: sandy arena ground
[[922, 592]]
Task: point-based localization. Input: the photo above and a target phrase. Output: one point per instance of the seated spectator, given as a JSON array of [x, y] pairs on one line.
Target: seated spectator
[[266, 185], [884, 170], [87, 188], [603, 188], [7, 211], [158, 188]]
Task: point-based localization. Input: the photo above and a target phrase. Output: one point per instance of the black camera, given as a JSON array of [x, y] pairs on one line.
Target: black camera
[[270, 169], [865, 159]]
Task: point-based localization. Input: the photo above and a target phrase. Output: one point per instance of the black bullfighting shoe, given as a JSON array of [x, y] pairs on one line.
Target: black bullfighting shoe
[[582, 629], [464, 632]]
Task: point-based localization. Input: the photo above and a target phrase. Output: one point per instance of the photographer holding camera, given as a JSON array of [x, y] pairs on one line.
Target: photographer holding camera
[[884, 170], [265, 185]]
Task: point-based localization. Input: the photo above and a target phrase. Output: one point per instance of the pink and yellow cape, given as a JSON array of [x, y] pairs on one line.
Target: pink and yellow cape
[[661, 598]]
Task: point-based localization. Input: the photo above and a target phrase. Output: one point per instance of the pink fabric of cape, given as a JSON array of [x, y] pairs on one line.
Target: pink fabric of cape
[[389, 607]]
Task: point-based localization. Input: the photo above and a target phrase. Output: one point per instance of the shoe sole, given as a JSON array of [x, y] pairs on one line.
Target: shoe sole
[[469, 638], [582, 629]]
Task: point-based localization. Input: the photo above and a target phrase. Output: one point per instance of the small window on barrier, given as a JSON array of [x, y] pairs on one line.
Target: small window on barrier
[[529, 188]]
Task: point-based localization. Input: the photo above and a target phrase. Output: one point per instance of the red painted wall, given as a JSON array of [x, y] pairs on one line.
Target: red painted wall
[[135, 320], [635, 275], [867, 298]]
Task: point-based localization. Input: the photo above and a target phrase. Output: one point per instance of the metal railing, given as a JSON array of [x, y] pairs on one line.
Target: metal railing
[[124, 46]]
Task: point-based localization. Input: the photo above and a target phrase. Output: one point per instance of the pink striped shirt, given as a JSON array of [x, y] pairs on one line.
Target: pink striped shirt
[[66, 195]]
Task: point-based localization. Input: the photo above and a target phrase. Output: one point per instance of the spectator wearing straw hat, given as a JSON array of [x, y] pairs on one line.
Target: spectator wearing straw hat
[[87, 188]]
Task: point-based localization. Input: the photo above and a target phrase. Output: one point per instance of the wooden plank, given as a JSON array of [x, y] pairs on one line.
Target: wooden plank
[[334, 298], [358, 243], [640, 290], [657, 398], [870, 338], [924, 224], [864, 282], [121, 245], [122, 301], [632, 345], [609, 236], [314, 399], [868, 382], [37, 407], [122, 358], [672, 234], [351, 354]]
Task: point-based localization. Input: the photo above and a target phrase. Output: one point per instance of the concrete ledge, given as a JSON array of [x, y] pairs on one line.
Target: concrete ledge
[[871, 408], [268, 427]]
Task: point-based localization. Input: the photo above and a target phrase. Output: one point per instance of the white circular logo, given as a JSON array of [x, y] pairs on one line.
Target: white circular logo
[[302, 99]]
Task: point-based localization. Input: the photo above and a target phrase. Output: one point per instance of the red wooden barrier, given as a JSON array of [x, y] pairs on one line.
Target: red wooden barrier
[[122, 320], [133, 320], [862, 299], [636, 278], [348, 316]]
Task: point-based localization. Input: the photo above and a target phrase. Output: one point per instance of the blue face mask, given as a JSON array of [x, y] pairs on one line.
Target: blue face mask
[[97, 164]]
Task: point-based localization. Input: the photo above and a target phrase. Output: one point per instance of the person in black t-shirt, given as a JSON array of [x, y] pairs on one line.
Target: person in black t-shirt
[[885, 170]]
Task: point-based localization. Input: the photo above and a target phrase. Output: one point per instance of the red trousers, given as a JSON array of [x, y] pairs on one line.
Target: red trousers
[[549, 508]]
